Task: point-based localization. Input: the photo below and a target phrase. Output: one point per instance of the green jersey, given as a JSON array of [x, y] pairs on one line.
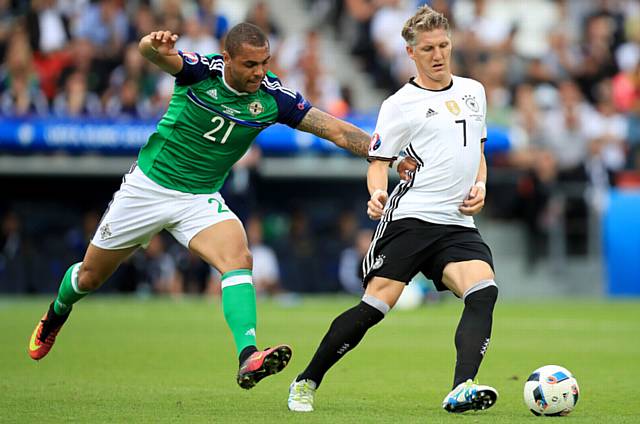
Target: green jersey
[[209, 126]]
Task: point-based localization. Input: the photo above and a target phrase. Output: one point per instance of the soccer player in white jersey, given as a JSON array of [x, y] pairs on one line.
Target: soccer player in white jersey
[[426, 224]]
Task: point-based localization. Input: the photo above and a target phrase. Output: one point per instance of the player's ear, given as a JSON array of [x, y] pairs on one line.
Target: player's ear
[[410, 51], [226, 57]]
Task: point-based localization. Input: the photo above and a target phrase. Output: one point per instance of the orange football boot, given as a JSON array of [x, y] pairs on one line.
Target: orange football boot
[[45, 333], [263, 363]]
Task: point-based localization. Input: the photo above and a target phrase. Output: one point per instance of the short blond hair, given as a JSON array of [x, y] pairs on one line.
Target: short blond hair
[[425, 19]]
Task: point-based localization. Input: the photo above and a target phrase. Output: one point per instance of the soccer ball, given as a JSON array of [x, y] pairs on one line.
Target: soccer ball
[[551, 391]]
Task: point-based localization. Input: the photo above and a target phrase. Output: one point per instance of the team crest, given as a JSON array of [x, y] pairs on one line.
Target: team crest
[[256, 108], [471, 103], [453, 107], [105, 231], [379, 261], [375, 142], [190, 58]]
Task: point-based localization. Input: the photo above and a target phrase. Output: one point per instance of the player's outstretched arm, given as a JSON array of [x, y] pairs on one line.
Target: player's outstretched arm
[[159, 48], [342, 133]]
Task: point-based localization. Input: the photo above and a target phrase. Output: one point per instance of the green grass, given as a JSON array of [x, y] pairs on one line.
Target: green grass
[[128, 360]]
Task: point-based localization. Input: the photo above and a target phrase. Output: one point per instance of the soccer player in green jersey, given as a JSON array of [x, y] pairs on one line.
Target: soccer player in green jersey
[[219, 105]]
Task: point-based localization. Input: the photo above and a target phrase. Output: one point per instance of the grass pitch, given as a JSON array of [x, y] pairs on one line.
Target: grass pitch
[[160, 360]]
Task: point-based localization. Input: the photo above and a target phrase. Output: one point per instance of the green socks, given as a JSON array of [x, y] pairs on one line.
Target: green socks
[[239, 307], [69, 293]]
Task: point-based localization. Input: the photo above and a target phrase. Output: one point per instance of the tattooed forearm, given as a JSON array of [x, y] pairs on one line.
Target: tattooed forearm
[[315, 122], [333, 129], [357, 141]]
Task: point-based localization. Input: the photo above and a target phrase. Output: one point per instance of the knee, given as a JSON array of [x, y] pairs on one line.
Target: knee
[[89, 279], [237, 260]]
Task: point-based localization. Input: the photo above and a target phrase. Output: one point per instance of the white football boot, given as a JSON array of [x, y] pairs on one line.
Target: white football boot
[[470, 396], [301, 394]]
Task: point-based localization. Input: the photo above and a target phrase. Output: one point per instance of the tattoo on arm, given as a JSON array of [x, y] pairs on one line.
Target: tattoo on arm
[[315, 122], [357, 141], [342, 133]]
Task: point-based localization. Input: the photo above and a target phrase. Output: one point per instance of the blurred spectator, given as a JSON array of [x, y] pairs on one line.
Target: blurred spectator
[[299, 253], [214, 22], [82, 60], [49, 36], [195, 273], [597, 61], [48, 28], [76, 100], [260, 15], [171, 16], [142, 23], [350, 267], [157, 269], [14, 257], [239, 189], [105, 24], [7, 20], [196, 38], [134, 68], [266, 270], [78, 238], [607, 132], [389, 44], [127, 102], [311, 79], [22, 95]]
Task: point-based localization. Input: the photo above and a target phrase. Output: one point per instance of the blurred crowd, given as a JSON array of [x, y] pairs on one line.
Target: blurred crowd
[[562, 79], [79, 58]]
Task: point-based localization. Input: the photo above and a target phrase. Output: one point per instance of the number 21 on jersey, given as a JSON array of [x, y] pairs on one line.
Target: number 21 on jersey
[[218, 123]]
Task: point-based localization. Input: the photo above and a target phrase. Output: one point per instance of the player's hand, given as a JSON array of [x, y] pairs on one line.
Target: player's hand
[[406, 167], [164, 42], [375, 205], [474, 201]]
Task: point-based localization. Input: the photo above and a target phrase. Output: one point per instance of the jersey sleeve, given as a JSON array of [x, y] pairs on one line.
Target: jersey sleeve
[[292, 106], [195, 68], [484, 118], [391, 134]]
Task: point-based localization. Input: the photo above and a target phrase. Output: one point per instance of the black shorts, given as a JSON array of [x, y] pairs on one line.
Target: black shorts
[[400, 249]]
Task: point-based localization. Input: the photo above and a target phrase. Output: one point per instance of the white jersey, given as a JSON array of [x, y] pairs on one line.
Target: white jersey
[[443, 131]]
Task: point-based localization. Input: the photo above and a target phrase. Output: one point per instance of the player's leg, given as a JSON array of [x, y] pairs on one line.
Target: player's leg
[[473, 281], [135, 214], [80, 279], [344, 334], [224, 245]]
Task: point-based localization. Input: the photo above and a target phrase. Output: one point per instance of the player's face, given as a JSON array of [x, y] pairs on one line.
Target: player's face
[[432, 55], [247, 67]]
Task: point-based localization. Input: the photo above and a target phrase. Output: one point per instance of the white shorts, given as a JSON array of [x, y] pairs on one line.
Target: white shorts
[[143, 208]]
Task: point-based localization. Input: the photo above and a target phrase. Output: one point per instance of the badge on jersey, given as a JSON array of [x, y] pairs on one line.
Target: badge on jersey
[[471, 102], [256, 108], [375, 142], [190, 58], [453, 107]]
